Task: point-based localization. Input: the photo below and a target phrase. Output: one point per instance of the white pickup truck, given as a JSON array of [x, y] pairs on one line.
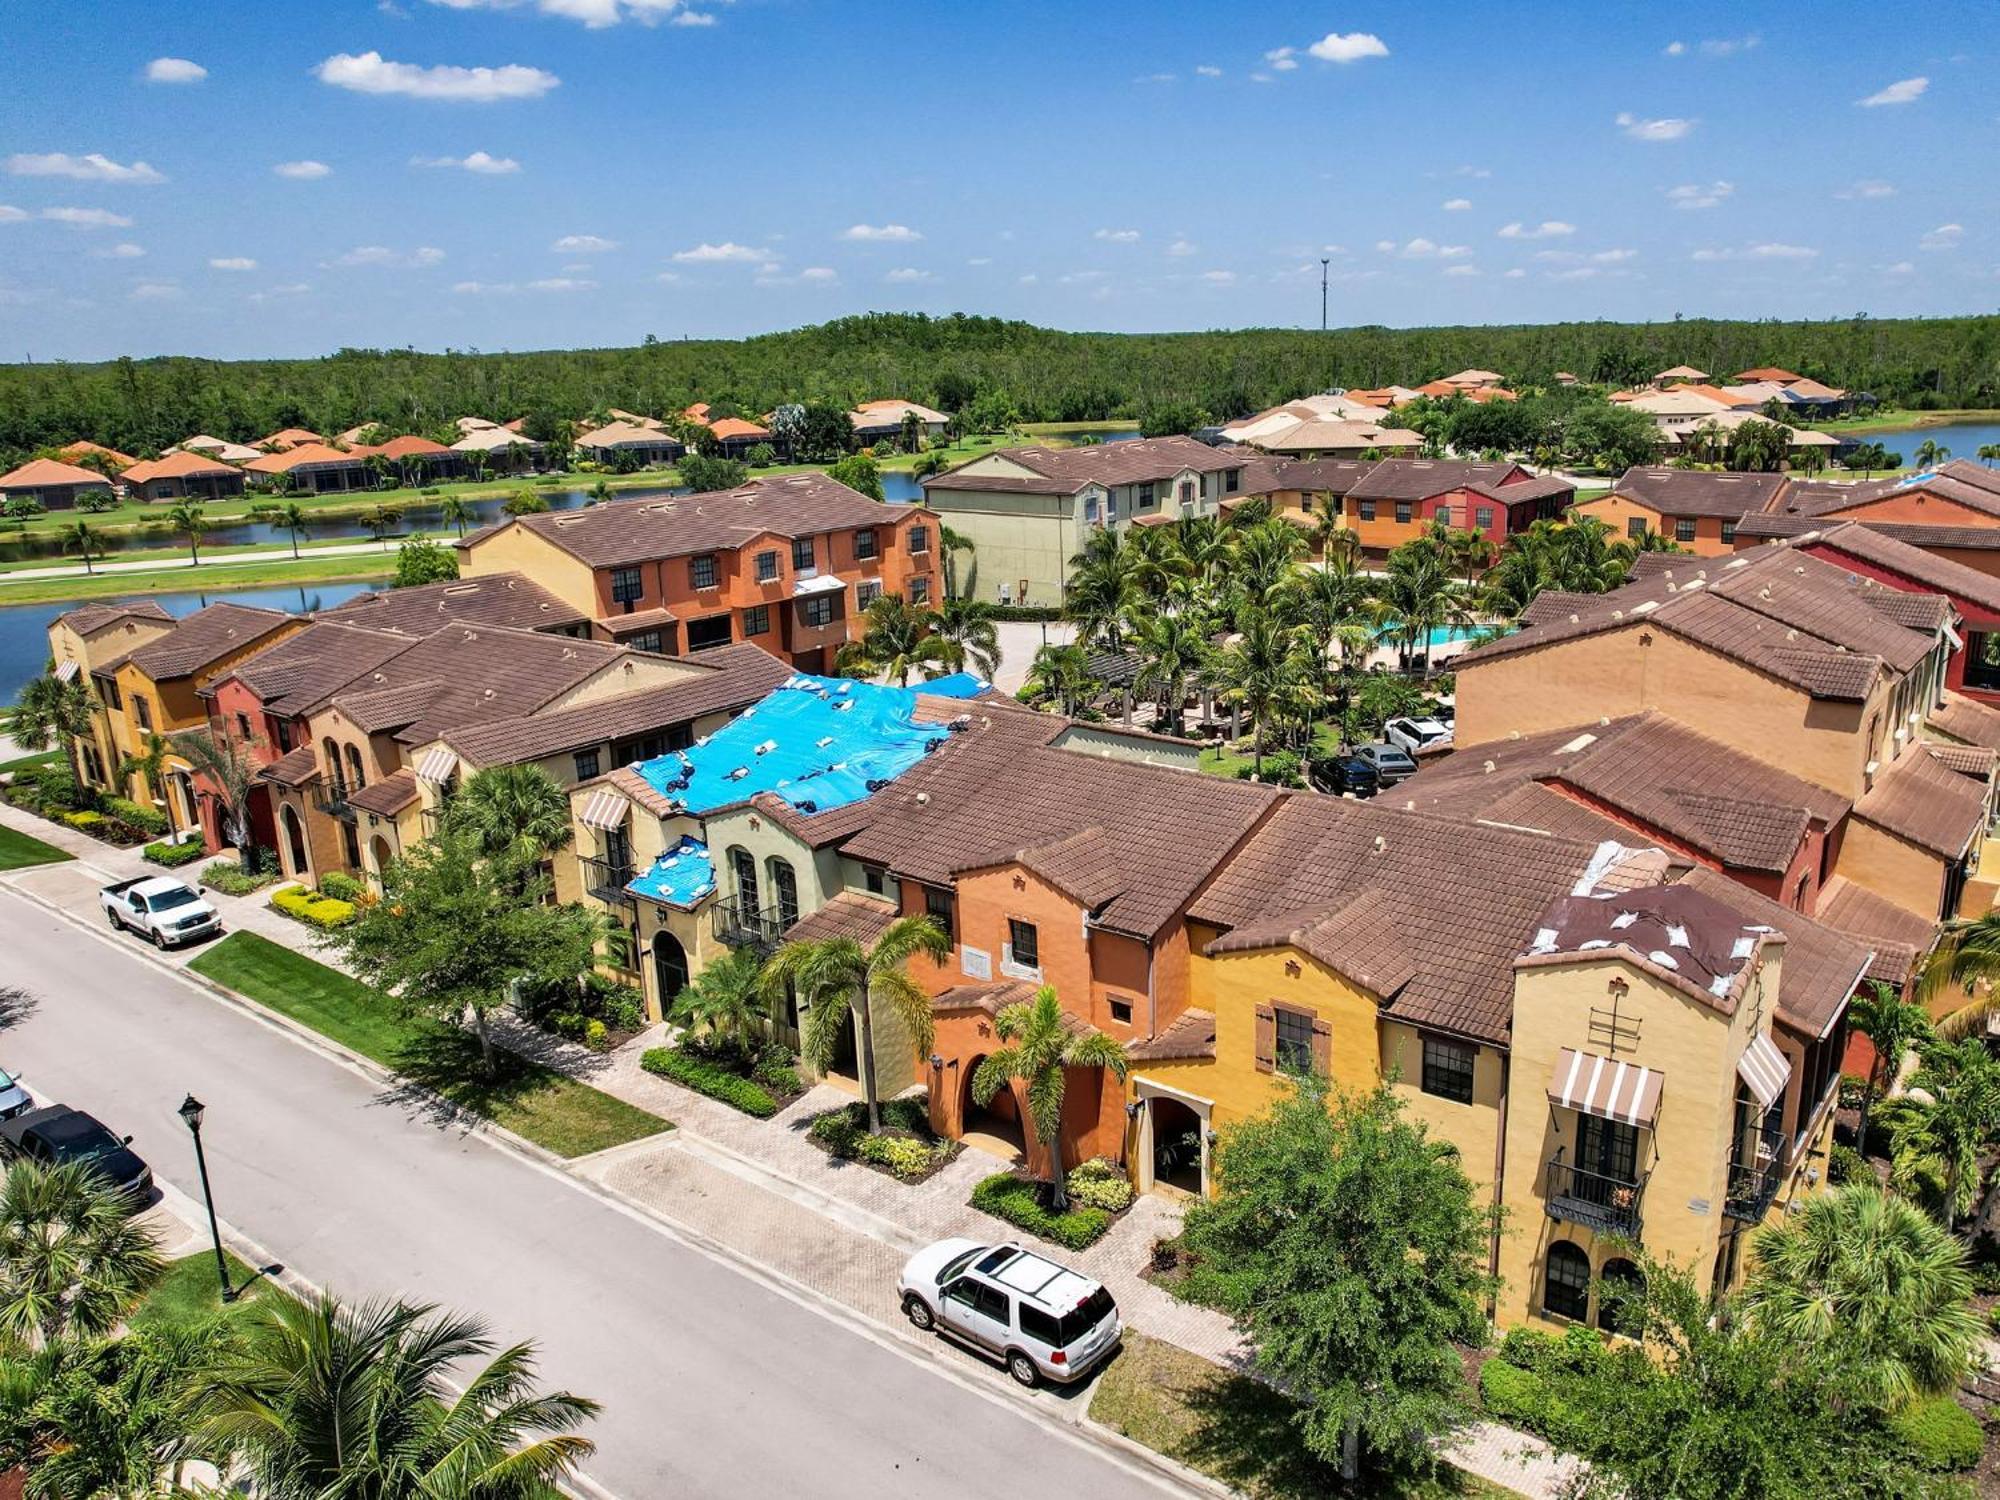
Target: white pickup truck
[[158, 907]]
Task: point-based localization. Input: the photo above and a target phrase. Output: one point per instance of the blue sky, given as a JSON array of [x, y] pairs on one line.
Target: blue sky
[[236, 178]]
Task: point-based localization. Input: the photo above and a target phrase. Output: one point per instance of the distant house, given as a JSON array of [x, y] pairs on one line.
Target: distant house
[[1399, 498], [1277, 421], [1698, 510], [55, 486], [735, 437], [629, 441], [877, 421], [215, 447], [288, 437], [315, 467], [182, 476], [1679, 374], [417, 460], [1768, 372], [1324, 439], [498, 448], [74, 453]]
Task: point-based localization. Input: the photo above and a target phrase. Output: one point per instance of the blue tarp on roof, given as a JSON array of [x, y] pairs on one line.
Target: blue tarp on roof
[[682, 876], [957, 685]]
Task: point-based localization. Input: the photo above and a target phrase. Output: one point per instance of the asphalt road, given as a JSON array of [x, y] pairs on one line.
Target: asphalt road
[[713, 1382]]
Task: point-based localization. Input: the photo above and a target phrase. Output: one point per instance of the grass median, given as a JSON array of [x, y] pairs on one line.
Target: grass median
[[190, 1294], [20, 850], [548, 1108]]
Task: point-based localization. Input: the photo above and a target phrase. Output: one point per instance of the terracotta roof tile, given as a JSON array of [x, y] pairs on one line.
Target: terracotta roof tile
[[1967, 720], [86, 619], [1695, 492], [388, 796], [205, 637], [1899, 936], [1190, 1035], [1928, 804], [1064, 471], [847, 915], [509, 599], [294, 768]]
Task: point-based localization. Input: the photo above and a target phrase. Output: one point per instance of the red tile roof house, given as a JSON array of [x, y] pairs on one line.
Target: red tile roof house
[[314, 467], [417, 460], [1400, 497], [53, 485], [182, 476]]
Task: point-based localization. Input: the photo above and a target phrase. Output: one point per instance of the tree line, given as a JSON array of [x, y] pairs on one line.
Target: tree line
[[993, 369]]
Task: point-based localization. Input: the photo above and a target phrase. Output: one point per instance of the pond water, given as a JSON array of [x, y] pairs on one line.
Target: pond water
[[1964, 439]]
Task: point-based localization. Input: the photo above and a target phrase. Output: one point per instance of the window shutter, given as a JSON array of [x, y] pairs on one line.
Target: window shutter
[[1322, 1047], [1267, 1039]]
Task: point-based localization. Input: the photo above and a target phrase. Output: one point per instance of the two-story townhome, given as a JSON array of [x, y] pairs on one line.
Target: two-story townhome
[[1952, 512], [789, 563], [1697, 510], [88, 637], [1398, 499], [1027, 511], [1303, 491]]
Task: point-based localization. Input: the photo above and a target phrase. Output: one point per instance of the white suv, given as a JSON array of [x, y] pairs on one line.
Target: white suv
[[1046, 1321]]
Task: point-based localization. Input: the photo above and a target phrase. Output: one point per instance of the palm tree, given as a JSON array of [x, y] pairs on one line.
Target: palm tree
[[1931, 453], [73, 1260], [950, 543], [1941, 1125], [898, 638], [1422, 596], [600, 492], [79, 537], [149, 763], [1989, 452], [327, 1399], [1871, 1273], [515, 813], [1473, 552], [53, 714], [725, 1000], [292, 518], [1967, 958], [191, 522], [1171, 651], [231, 776], [1893, 1025], [1061, 673], [1102, 589], [836, 977], [1267, 670], [380, 521], [457, 510], [1040, 1049], [969, 625], [526, 502], [1264, 563]]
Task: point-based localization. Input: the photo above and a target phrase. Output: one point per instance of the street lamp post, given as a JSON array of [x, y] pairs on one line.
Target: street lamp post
[[191, 1112]]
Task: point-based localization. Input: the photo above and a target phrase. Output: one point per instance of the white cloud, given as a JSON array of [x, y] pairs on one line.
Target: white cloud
[[1262, 78], [1335, 48], [1900, 268], [1076, 278], [728, 250], [1653, 130], [1729, 46], [231, 263], [562, 284], [1580, 257], [686, 17], [980, 260], [823, 274], [1423, 249], [1868, 187], [87, 218], [907, 275], [1206, 71], [479, 161], [1696, 195], [1029, 280], [1574, 273], [155, 291], [174, 70], [1944, 237], [1903, 91], [1548, 229], [124, 251], [670, 278], [1475, 172], [483, 288], [1769, 250], [371, 73], [382, 255], [1514, 273], [9, 214], [1182, 247], [289, 289], [93, 167], [1676, 49], [1282, 59], [1219, 278], [887, 234], [302, 171], [1457, 205], [583, 244], [594, 14], [1155, 78], [1118, 236], [1461, 270]]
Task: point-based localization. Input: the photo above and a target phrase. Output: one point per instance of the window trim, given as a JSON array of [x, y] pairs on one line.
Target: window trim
[[704, 562], [768, 566], [816, 604], [867, 546], [1015, 927], [1568, 1283], [756, 620], [591, 757], [1443, 1044]]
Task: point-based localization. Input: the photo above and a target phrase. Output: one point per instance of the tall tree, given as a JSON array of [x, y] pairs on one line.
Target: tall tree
[[53, 714], [1171, 650], [1061, 674], [78, 537], [231, 774], [969, 626], [1268, 672], [456, 510], [149, 764], [1039, 1048], [291, 517], [419, 560], [73, 1260], [1893, 1026], [897, 639], [191, 521], [1940, 1128], [1103, 589], [515, 813], [725, 1000], [950, 542]]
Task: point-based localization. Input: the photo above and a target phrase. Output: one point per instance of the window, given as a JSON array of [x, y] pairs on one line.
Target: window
[[1635, 527], [1090, 510], [1040, 1326], [1483, 517], [865, 549], [1444, 515], [1448, 1068], [1609, 1148], [866, 592], [1566, 1283], [1729, 531], [142, 710], [1146, 499], [1186, 492], [920, 540], [645, 640], [802, 554], [1617, 1285], [817, 611], [111, 697], [701, 571], [767, 566], [1366, 508], [920, 591], [757, 620], [1403, 512], [626, 587], [744, 866], [1121, 1010], [1232, 481], [284, 729], [1024, 944], [703, 634], [1295, 1040], [942, 908], [875, 879], [1684, 529], [586, 764], [786, 885]]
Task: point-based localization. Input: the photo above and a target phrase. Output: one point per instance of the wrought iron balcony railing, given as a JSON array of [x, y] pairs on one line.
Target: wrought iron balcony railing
[[605, 879], [740, 925], [1600, 1201]]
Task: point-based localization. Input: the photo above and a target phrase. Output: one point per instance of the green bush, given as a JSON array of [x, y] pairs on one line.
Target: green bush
[[1512, 1394], [1844, 1165], [712, 1079], [323, 912], [147, 820], [837, 1130], [1029, 614], [776, 1069], [1098, 1183], [173, 856], [596, 1035], [85, 821], [904, 1155], [1281, 768], [911, 1156], [226, 875], [340, 887], [1019, 1202], [1939, 1433]]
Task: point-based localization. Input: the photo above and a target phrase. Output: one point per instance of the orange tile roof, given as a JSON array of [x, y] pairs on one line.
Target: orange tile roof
[[406, 446], [729, 427], [83, 445], [43, 473], [306, 453], [289, 437], [182, 465]]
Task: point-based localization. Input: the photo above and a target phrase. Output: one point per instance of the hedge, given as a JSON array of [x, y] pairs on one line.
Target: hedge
[[173, 856], [1027, 614], [709, 1078], [226, 875], [1019, 1202], [145, 819], [843, 1132], [302, 905], [1939, 1433], [340, 887], [1512, 1394]]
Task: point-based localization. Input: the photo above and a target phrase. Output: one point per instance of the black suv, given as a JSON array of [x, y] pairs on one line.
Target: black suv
[[1346, 774], [59, 1136]]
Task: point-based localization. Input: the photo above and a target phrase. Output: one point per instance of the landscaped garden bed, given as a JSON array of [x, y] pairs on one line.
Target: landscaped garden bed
[[228, 876], [758, 1081], [172, 856], [314, 908], [600, 1013], [1022, 1202], [907, 1149], [50, 790]]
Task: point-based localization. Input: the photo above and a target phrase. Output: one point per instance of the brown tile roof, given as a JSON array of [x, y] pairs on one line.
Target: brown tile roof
[[1064, 471], [1899, 936], [1534, 806], [292, 675], [1975, 761], [1692, 492], [638, 789], [386, 797], [294, 768], [1821, 965], [509, 599], [1190, 1035], [847, 915], [991, 997], [1335, 476], [638, 622], [46, 473], [1967, 720], [87, 619], [1939, 575], [1685, 935], [1321, 434], [1927, 804], [203, 638], [1954, 485], [77, 449], [1421, 478], [631, 531], [814, 830], [1360, 938]]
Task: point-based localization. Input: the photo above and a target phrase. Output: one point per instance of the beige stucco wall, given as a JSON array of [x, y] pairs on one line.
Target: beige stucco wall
[[516, 549], [1892, 867], [1474, 1127]]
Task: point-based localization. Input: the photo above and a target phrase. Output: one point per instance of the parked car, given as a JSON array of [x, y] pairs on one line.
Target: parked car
[[1391, 764], [159, 907], [14, 1100], [1047, 1321], [1417, 735], [57, 1135], [1345, 775]]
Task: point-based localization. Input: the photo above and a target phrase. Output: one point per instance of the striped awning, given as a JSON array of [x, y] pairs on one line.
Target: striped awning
[[66, 671], [1765, 1069], [605, 809], [1611, 1090], [437, 764]]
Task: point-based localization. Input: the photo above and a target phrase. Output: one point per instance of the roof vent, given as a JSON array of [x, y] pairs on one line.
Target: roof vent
[[1489, 768], [923, 799], [1380, 843], [487, 694]]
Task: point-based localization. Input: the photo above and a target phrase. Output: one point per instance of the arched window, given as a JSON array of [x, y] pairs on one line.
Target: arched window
[[330, 752], [1566, 1282], [1618, 1287], [295, 842], [744, 865], [785, 886], [355, 780]]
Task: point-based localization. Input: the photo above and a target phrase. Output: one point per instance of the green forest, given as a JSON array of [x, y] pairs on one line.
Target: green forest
[[995, 370]]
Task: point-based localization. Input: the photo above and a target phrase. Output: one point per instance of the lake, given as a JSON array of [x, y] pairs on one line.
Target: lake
[[1965, 439]]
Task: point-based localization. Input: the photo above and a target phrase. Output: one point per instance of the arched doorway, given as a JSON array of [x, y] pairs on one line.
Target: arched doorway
[[296, 862], [670, 967], [1619, 1285], [1176, 1143], [378, 851], [994, 1127]]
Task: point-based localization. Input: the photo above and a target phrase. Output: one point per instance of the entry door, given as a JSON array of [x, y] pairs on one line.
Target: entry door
[[979, 1312]]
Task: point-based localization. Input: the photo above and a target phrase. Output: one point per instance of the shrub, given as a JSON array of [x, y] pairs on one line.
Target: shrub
[[173, 856], [323, 912], [776, 1069], [1098, 1183], [1281, 768], [340, 887], [1019, 1202], [901, 1154], [1939, 1433], [84, 821], [836, 1130], [147, 820], [596, 1036], [712, 1079], [58, 789], [912, 1157], [226, 875], [1844, 1165], [1512, 1394]]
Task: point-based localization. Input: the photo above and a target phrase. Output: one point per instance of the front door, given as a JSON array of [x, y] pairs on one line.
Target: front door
[[978, 1312], [670, 967]]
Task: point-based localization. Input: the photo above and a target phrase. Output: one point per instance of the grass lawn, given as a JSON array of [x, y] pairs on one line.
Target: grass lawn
[[1234, 1429], [190, 1295], [168, 555], [555, 1112], [19, 850], [361, 567], [26, 762], [1893, 421]]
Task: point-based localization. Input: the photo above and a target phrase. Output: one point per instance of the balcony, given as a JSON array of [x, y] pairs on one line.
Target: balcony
[[741, 926], [605, 879], [1596, 1200], [333, 802], [1754, 1180]]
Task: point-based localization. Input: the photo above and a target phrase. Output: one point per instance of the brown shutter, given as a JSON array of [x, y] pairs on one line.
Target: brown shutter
[[1267, 1039], [1322, 1047]]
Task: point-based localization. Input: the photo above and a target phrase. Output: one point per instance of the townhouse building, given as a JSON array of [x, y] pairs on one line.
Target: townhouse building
[[1397, 500], [1697, 510], [1952, 511], [788, 563], [91, 636]]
